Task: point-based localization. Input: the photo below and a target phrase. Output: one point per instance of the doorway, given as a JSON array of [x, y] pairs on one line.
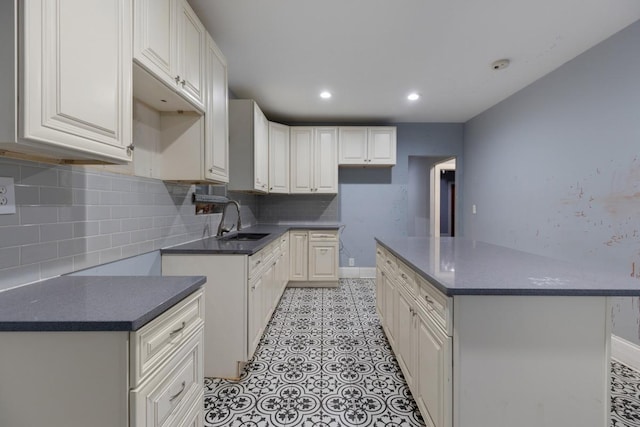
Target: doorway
[[442, 200]]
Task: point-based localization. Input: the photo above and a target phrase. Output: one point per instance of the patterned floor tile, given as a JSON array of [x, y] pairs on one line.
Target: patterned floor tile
[[324, 361]]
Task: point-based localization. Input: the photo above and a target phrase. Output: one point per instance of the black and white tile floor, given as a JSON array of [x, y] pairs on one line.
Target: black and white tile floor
[[324, 361]]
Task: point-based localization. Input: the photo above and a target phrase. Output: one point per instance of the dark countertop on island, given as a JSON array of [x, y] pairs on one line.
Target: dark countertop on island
[[219, 246], [464, 267], [92, 303]]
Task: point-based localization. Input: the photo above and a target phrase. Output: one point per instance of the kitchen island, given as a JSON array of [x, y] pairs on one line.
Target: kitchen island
[[490, 336], [102, 351]]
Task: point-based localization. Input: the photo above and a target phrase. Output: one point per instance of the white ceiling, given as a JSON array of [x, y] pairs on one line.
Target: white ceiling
[[372, 53]]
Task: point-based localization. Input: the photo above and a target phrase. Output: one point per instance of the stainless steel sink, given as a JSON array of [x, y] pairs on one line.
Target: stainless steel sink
[[246, 236]]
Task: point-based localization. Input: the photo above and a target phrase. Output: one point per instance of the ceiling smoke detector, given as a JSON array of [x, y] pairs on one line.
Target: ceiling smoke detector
[[500, 64]]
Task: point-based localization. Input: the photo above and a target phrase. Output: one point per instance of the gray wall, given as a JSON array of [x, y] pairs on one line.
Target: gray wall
[[555, 169], [375, 201]]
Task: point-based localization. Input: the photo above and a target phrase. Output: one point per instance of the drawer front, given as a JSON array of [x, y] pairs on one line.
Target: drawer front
[[157, 340], [323, 235], [436, 304], [390, 263], [167, 393], [269, 252], [406, 277], [194, 417], [284, 242], [255, 262], [380, 256]]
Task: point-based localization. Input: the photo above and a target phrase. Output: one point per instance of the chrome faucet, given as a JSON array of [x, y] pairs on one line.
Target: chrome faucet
[[221, 228]]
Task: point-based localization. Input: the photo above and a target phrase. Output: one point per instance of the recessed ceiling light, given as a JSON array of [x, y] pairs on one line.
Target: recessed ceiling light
[[325, 95], [413, 96]]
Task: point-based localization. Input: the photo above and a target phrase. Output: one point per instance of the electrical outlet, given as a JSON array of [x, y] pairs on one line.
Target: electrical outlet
[[473, 209], [7, 196], [352, 262]]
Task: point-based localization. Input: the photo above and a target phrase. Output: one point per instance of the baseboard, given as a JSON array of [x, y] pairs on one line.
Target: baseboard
[[357, 272], [625, 352], [306, 284]]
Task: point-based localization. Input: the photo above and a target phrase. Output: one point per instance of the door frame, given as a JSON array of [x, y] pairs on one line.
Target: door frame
[[434, 204]]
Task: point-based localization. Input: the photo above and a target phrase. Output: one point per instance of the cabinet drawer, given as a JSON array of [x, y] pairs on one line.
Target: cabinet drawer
[[161, 399], [194, 417], [323, 236], [436, 304], [284, 242], [390, 263], [157, 340], [380, 256], [255, 262], [406, 277]]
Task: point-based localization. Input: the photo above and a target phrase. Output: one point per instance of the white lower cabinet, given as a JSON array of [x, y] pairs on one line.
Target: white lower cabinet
[[149, 377], [178, 384], [242, 292], [413, 317], [406, 333], [432, 371], [314, 257]]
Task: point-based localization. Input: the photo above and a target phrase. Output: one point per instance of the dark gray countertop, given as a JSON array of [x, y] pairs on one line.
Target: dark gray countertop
[[92, 303], [464, 267], [217, 246]]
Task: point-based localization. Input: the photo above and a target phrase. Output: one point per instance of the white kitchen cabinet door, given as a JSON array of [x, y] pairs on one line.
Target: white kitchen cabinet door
[[381, 147], [301, 160], [261, 152], [390, 309], [155, 38], [380, 293], [278, 158], [255, 312], [326, 160], [77, 88], [323, 261], [433, 374], [367, 146], [299, 255], [191, 54], [268, 280], [314, 160], [216, 117], [405, 353], [352, 145]]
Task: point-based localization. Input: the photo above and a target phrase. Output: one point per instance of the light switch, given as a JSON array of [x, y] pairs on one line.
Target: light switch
[[7, 196], [473, 209]]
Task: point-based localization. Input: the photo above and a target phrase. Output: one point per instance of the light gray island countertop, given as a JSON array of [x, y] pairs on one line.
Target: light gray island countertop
[[458, 266]]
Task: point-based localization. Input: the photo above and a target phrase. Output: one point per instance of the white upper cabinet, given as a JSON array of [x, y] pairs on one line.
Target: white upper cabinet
[[170, 43], [248, 147], [367, 146], [74, 88], [325, 167], [261, 150], [278, 158], [216, 117], [314, 160], [191, 57]]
